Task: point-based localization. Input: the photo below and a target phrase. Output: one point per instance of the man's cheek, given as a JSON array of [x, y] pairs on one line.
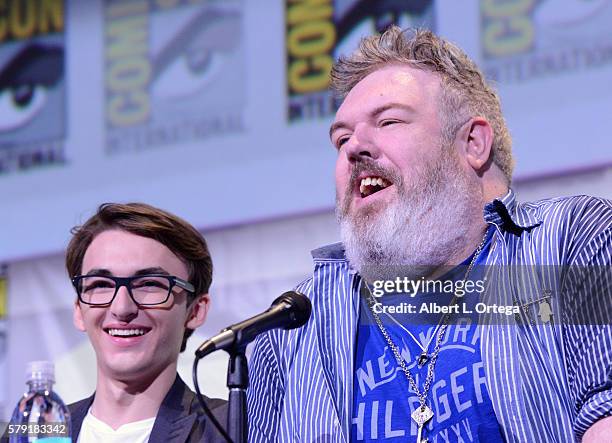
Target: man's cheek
[[342, 173]]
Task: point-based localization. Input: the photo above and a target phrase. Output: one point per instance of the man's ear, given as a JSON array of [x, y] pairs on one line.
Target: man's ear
[[77, 316], [197, 311], [476, 138]]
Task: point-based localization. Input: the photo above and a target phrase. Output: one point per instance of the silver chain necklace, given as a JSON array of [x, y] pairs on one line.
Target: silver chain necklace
[[423, 413], [424, 356]]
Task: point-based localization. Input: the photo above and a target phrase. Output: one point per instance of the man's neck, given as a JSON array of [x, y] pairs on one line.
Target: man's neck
[[478, 230], [472, 242], [118, 402], [497, 189]]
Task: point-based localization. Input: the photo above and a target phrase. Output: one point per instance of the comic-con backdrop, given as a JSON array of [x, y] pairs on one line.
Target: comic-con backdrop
[[219, 109]]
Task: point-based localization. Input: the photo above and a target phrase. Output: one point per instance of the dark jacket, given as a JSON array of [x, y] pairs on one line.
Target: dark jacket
[[180, 418]]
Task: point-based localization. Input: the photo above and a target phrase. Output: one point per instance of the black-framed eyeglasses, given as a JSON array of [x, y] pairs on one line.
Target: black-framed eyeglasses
[[145, 290]]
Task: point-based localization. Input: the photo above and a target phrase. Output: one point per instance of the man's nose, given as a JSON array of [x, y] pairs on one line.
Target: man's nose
[[123, 307], [361, 144]]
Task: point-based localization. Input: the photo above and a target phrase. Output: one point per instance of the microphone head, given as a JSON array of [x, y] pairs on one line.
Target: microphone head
[[298, 308]]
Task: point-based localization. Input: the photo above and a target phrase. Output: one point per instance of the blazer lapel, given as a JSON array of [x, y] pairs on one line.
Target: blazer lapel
[[78, 411], [175, 422], [173, 429]]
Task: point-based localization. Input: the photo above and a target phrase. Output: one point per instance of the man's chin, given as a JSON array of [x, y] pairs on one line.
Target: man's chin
[[369, 208], [127, 368], [376, 246], [125, 365], [358, 208]]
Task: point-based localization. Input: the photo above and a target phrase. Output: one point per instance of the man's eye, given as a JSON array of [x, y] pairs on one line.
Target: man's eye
[[98, 284], [151, 283], [341, 141], [384, 123]]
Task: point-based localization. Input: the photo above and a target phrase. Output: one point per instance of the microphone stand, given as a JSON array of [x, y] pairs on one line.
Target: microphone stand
[[237, 382], [289, 311]]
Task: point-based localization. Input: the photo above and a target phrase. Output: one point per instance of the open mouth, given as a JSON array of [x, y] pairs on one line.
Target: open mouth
[[371, 185], [136, 332]]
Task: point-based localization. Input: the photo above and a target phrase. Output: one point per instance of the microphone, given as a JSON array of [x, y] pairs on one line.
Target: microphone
[[290, 310]]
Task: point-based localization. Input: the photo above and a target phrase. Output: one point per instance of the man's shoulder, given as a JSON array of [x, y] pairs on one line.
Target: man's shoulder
[[78, 410], [568, 204], [181, 418], [217, 406], [215, 403], [180, 397], [577, 211], [78, 405]]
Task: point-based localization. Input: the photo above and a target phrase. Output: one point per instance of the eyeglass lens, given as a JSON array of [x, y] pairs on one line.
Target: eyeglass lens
[[145, 290]]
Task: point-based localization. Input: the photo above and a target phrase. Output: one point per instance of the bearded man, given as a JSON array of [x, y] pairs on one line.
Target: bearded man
[[519, 349]]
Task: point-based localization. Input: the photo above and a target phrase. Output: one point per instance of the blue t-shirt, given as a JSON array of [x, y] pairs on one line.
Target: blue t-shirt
[[458, 396]]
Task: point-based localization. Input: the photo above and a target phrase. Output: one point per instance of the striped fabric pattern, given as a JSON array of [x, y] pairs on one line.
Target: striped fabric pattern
[[548, 382]]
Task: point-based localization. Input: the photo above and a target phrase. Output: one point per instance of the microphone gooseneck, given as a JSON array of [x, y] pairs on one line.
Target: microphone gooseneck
[[290, 310]]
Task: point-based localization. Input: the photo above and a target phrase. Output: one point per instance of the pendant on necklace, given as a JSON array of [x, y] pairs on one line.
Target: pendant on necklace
[[421, 415], [422, 359]]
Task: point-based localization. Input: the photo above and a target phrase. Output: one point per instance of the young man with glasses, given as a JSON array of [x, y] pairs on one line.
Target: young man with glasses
[[142, 277]]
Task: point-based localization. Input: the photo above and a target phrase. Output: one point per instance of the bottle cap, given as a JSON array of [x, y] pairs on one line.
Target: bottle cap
[[40, 371]]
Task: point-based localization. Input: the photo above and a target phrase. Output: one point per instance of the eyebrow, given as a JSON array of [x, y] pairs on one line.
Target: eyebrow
[[372, 114], [146, 271], [99, 271], [155, 270]]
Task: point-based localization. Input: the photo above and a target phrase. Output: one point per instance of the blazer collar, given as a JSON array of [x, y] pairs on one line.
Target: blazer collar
[[78, 411], [176, 417]]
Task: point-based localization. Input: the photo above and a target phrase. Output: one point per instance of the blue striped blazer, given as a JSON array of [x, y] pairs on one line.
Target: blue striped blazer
[[547, 382]]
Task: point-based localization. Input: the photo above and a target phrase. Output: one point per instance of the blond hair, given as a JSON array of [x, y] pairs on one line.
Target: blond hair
[[464, 90]]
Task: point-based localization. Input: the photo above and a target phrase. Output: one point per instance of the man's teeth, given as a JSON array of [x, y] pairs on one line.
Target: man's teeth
[[370, 185], [126, 332]]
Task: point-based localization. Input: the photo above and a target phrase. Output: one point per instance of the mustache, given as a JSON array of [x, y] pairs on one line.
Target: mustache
[[372, 168]]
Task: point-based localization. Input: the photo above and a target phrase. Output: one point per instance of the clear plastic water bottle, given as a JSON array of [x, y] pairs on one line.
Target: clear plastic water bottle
[[41, 415]]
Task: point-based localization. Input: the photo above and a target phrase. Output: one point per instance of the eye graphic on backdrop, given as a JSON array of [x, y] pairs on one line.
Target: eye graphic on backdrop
[[195, 55], [364, 17], [25, 81], [19, 106]]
